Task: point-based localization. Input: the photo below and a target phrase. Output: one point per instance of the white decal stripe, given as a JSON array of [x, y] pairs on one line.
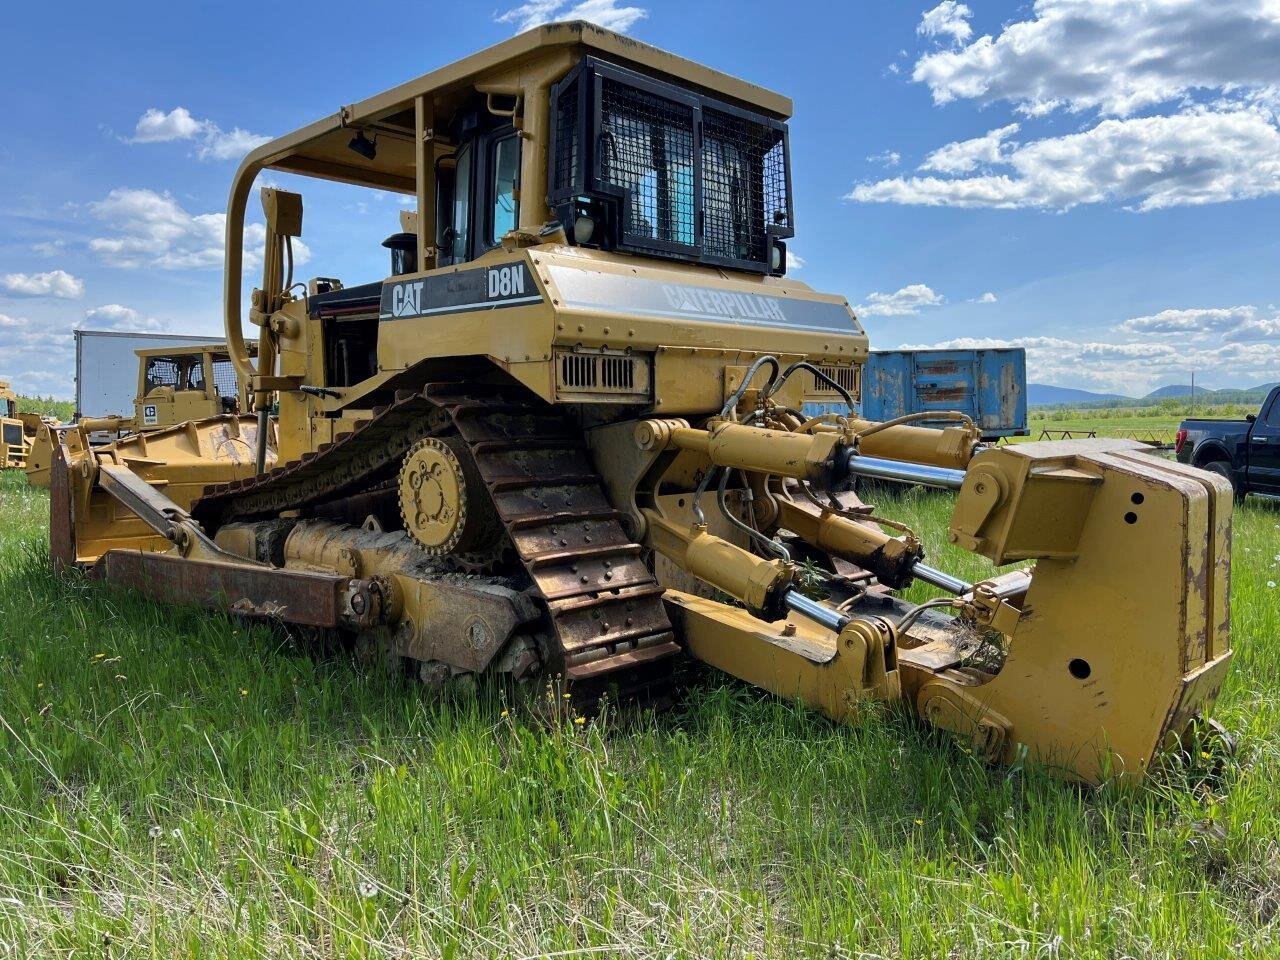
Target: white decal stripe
[[464, 307], [713, 317]]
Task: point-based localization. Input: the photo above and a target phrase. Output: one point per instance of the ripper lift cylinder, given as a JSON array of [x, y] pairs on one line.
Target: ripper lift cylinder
[[758, 583]]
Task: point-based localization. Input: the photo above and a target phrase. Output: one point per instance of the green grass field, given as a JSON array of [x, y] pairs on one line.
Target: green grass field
[[173, 784], [1159, 421]]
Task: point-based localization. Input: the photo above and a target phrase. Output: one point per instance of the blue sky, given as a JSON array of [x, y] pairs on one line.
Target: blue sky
[[1098, 180]]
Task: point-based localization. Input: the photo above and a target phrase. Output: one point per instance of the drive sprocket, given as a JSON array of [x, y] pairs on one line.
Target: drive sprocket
[[444, 504]]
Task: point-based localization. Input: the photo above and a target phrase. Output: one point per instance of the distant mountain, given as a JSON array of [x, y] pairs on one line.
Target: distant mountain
[[1047, 395], [1175, 390], [1225, 394]]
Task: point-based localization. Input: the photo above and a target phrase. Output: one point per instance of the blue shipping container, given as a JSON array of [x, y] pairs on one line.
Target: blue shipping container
[[988, 385]]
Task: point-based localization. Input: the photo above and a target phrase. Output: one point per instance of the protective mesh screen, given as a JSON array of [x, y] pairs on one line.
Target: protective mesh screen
[[744, 185], [162, 373], [566, 158], [646, 147], [224, 378]]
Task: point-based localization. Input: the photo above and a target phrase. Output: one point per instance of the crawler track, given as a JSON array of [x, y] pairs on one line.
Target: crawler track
[[606, 624]]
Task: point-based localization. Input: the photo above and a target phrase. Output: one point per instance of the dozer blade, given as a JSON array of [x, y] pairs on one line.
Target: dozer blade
[[1122, 638]]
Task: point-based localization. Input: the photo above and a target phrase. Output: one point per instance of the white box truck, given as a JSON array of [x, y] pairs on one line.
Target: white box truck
[[107, 368]]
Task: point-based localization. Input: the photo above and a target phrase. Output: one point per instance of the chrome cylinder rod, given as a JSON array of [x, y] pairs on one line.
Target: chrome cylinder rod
[[877, 468], [825, 616], [941, 579], [260, 454]]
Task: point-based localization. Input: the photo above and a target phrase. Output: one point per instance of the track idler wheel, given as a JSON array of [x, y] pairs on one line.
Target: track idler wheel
[[443, 502]]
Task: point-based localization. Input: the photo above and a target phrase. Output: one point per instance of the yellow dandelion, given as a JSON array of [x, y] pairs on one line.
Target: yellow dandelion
[[919, 822], [505, 713], [567, 696], [1204, 754], [579, 720], [244, 692]]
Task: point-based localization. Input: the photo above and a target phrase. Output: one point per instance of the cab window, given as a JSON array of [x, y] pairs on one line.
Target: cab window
[[504, 166], [458, 236], [162, 372], [477, 194], [1273, 415]]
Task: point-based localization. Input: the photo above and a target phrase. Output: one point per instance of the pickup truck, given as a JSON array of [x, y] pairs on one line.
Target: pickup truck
[[1246, 452]]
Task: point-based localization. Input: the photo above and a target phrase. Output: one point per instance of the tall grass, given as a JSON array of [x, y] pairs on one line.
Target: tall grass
[[173, 784]]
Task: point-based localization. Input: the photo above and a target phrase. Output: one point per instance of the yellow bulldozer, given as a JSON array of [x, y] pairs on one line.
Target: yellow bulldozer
[[176, 384], [570, 435], [13, 440]]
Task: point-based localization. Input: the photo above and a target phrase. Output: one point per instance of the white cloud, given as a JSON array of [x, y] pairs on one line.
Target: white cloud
[[947, 19], [794, 261], [1128, 368], [1116, 55], [987, 297], [49, 248], [157, 126], [1252, 330], [907, 302], [114, 316], [604, 13], [37, 356], [229, 144], [55, 283], [1195, 157], [1194, 320], [150, 229], [964, 156], [1227, 343], [1209, 72], [887, 158]]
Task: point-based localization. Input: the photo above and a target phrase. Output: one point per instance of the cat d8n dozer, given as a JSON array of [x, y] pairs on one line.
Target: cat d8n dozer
[[566, 436]]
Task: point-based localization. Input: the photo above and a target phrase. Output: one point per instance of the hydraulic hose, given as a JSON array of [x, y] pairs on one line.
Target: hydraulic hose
[[776, 385], [732, 403]]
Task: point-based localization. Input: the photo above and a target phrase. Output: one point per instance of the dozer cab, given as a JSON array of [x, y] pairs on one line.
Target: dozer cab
[[177, 384], [565, 437]]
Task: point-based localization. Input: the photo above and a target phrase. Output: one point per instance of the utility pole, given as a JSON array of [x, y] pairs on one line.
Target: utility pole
[[1193, 394]]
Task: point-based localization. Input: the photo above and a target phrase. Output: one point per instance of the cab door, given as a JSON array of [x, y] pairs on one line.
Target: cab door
[[1264, 448]]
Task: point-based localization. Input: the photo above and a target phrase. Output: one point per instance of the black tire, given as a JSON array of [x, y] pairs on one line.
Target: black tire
[[1223, 469]]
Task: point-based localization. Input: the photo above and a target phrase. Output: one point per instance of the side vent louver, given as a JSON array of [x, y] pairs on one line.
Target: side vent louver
[[602, 375], [847, 377]]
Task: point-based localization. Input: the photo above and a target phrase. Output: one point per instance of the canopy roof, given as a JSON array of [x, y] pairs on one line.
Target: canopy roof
[[321, 148]]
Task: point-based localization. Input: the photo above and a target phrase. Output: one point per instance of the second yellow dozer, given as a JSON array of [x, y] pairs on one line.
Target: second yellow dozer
[[175, 385], [571, 435], [13, 439]]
